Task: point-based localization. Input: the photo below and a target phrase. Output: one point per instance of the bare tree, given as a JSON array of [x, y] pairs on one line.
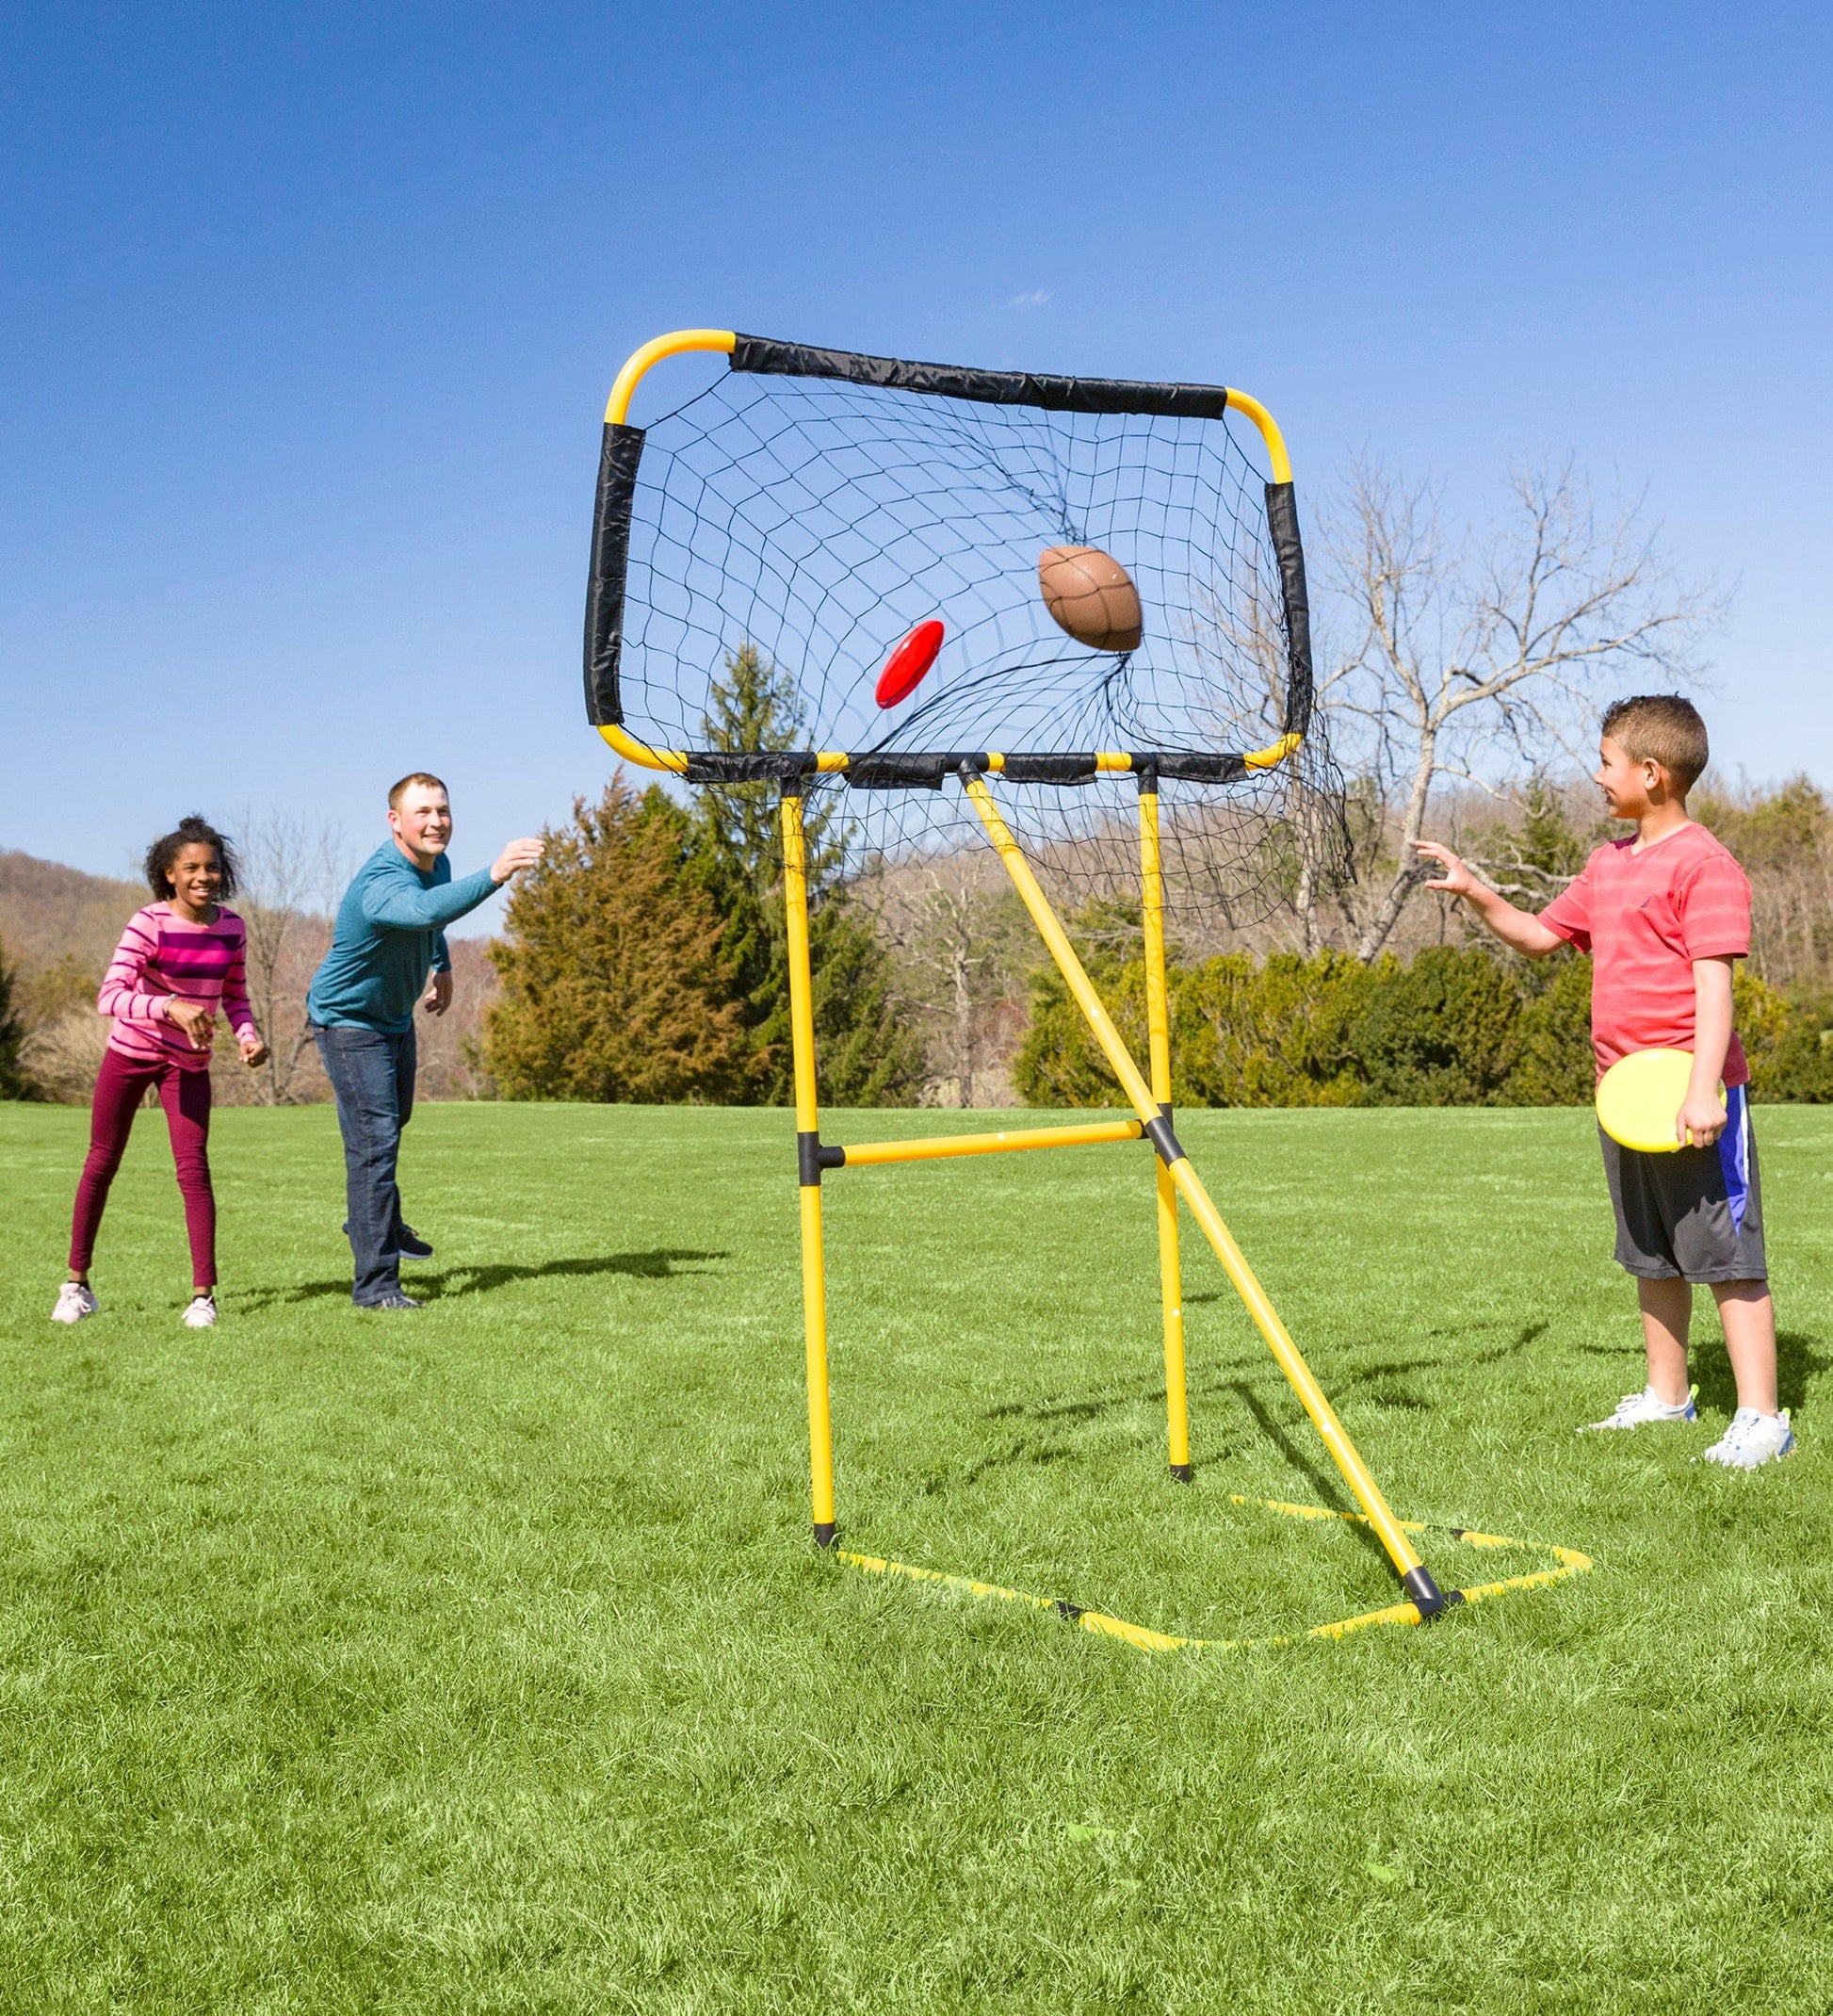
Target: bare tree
[[293, 870], [1469, 662], [961, 944]]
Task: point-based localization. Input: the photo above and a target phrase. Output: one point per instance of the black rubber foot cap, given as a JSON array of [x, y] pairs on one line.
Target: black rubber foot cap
[[1428, 1598], [824, 1535], [1182, 1471]]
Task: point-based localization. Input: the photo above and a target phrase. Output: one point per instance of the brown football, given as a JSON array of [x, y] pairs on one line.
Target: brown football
[[1092, 595]]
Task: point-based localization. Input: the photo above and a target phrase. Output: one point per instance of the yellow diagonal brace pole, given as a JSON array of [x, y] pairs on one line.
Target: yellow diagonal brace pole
[[814, 1283], [1158, 1027], [1400, 1551]]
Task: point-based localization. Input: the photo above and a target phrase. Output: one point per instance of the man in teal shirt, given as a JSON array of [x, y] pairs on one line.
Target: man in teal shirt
[[390, 938]]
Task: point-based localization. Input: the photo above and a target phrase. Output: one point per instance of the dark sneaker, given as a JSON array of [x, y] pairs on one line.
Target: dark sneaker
[[395, 1301], [406, 1240]]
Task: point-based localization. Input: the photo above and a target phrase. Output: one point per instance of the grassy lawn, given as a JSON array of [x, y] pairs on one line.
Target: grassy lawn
[[479, 1660]]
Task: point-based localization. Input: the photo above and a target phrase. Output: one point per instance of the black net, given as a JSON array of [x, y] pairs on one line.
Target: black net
[[815, 523]]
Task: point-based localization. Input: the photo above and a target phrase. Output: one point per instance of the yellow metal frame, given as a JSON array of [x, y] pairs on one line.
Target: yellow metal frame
[[1175, 1179], [1343, 1453], [685, 342], [1151, 1100], [1571, 1562]]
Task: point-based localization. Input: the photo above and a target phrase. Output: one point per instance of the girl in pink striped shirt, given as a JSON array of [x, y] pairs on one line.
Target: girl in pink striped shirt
[[179, 960]]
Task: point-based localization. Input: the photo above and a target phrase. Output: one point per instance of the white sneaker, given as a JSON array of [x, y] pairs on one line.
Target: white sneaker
[[201, 1314], [74, 1302], [1637, 1410], [1752, 1438]]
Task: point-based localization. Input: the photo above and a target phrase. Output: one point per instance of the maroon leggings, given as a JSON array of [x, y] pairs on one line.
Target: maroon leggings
[[186, 1096]]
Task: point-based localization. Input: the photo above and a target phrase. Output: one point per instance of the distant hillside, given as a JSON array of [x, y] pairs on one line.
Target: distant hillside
[[48, 911]]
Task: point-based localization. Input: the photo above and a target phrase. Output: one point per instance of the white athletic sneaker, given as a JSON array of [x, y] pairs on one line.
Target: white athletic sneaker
[[1637, 1410], [74, 1302], [201, 1312], [1752, 1438]]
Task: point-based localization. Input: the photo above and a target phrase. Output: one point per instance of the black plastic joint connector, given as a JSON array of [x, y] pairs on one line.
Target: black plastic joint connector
[[1180, 1472], [1159, 1132], [813, 1156], [1428, 1598], [824, 1532]]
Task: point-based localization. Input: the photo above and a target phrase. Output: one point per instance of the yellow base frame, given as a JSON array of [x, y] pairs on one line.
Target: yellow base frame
[[1570, 1563]]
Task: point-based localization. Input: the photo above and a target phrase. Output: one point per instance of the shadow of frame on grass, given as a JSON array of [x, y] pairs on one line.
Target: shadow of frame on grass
[[660, 1263]]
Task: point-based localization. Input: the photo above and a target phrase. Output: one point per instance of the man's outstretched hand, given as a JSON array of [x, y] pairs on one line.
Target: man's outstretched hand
[[517, 855]]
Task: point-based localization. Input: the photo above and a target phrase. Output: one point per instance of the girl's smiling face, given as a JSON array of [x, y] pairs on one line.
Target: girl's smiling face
[[196, 878]]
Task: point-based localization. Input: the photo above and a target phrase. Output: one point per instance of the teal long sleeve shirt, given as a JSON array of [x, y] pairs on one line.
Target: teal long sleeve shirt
[[390, 935]]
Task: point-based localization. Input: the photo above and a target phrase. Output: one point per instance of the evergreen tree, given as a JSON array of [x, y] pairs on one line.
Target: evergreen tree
[[866, 1051], [614, 985], [14, 1082]]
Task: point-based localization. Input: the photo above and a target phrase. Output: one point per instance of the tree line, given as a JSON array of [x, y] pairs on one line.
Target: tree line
[[646, 958], [1459, 673]]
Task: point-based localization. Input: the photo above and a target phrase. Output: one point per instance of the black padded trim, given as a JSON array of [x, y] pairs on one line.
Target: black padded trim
[[618, 455], [1282, 523], [902, 770], [888, 770], [1195, 768], [736, 766], [1049, 769], [990, 388]]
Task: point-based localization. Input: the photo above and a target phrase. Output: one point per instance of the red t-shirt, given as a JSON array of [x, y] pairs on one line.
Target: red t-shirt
[[1645, 917]]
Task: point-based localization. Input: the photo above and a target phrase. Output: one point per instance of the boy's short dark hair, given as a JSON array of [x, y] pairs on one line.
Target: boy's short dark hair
[[413, 776], [1660, 728]]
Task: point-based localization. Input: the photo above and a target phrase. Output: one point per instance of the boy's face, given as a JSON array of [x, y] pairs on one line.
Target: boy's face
[[1629, 786]]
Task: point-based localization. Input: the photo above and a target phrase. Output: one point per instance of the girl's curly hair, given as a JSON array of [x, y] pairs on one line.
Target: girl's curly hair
[[196, 830]]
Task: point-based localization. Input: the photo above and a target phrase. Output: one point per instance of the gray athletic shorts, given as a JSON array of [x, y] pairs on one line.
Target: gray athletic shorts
[[1696, 1214]]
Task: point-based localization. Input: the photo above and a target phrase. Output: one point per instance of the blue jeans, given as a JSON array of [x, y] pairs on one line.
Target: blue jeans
[[372, 1075]]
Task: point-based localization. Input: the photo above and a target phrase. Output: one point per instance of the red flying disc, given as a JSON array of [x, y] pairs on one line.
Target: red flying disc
[[904, 670]]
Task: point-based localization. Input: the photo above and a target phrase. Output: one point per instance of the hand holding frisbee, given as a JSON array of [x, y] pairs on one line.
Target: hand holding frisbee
[[1640, 1097]]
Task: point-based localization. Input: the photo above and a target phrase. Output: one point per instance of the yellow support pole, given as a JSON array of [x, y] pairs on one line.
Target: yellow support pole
[[1415, 1578], [814, 1284], [1157, 1027], [941, 1147]]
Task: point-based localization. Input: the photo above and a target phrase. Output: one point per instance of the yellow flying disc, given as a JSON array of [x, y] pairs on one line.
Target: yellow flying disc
[[1640, 1095]]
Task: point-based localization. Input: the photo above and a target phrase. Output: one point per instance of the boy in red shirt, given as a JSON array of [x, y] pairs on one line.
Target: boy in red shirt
[[1663, 915]]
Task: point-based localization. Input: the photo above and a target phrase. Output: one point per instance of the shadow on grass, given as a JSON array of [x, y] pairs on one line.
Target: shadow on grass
[[661, 1263], [1796, 1362]]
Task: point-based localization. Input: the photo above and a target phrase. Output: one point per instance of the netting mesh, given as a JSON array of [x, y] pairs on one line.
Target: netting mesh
[[816, 522]]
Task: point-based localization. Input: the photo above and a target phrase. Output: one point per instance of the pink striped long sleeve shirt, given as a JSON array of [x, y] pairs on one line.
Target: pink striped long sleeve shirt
[[161, 955]]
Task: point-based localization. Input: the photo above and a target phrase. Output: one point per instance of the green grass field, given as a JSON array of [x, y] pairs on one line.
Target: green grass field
[[479, 1660]]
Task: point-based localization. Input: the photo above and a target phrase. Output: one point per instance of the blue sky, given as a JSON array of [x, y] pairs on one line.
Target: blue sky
[[309, 316]]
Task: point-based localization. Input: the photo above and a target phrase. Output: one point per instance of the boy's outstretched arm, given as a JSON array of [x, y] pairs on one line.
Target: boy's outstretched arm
[[1520, 929]]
